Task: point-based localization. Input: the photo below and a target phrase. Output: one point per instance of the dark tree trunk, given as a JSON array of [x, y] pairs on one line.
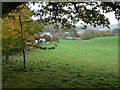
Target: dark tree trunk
[[24, 58], [22, 41], [7, 55]]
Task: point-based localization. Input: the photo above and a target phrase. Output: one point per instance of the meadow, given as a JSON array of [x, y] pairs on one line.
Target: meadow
[[89, 63]]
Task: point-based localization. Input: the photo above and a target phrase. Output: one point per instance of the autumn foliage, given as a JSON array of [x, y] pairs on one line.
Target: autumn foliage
[[12, 36]]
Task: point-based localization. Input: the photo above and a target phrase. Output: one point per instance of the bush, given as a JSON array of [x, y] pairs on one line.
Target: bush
[[118, 34], [116, 31], [88, 34], [35, 45], [104, 33], [44, 48], [50, 48], [47, 48], [64, 35], [56, 37], [47, 37]]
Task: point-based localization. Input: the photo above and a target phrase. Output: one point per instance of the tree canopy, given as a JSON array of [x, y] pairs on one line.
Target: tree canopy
[[69, 13], [9, 6], [18, 28]]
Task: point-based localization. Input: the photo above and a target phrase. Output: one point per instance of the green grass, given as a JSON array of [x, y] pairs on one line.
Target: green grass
[[73, 64]]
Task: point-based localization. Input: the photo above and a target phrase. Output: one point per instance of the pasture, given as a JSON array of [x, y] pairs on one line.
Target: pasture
[[73, 64]]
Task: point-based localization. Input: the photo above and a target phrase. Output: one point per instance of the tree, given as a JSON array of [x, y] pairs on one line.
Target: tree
[[47, 37], [10, 35], [116, 31], [56, 37], [9, 6], [17, 28], [69, 13], [57, 9], [73, 32], [88, 34]]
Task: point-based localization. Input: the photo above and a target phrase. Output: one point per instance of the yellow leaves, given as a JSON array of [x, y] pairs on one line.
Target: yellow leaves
[[29, 43], [11, 32], [15, 11], [35, 35], [8, 34], [6, 18], [17, 17]]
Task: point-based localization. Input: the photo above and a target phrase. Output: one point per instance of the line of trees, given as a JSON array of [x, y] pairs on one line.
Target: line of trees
[[116, 31], [88, 34]]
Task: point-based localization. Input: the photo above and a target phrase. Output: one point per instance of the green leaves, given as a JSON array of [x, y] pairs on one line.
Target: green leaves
[[11, 33], [72, 12]]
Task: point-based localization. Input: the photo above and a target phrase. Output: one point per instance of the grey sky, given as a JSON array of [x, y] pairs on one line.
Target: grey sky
[[112, 18]]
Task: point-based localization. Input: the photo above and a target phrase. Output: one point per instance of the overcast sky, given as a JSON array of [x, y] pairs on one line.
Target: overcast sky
[[112, 18]]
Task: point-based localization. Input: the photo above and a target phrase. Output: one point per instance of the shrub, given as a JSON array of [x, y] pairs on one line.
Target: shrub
[[48, 48], [116, 31], [55, 45], [104, 33], [97, 34], [64, 35], [36, 46], [29, 48], [88, 34], [47, 37], [56, 37], [44, 48], [118, 34]]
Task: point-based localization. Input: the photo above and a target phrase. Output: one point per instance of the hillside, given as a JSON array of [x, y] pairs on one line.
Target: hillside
[[73, 64]]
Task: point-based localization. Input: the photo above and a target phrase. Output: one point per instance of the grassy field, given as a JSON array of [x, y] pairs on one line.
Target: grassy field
[[73, 64]]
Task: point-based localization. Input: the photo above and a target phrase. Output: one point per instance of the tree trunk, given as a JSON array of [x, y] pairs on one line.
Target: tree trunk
[[22, 41], [6, 55], [24, 58]]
